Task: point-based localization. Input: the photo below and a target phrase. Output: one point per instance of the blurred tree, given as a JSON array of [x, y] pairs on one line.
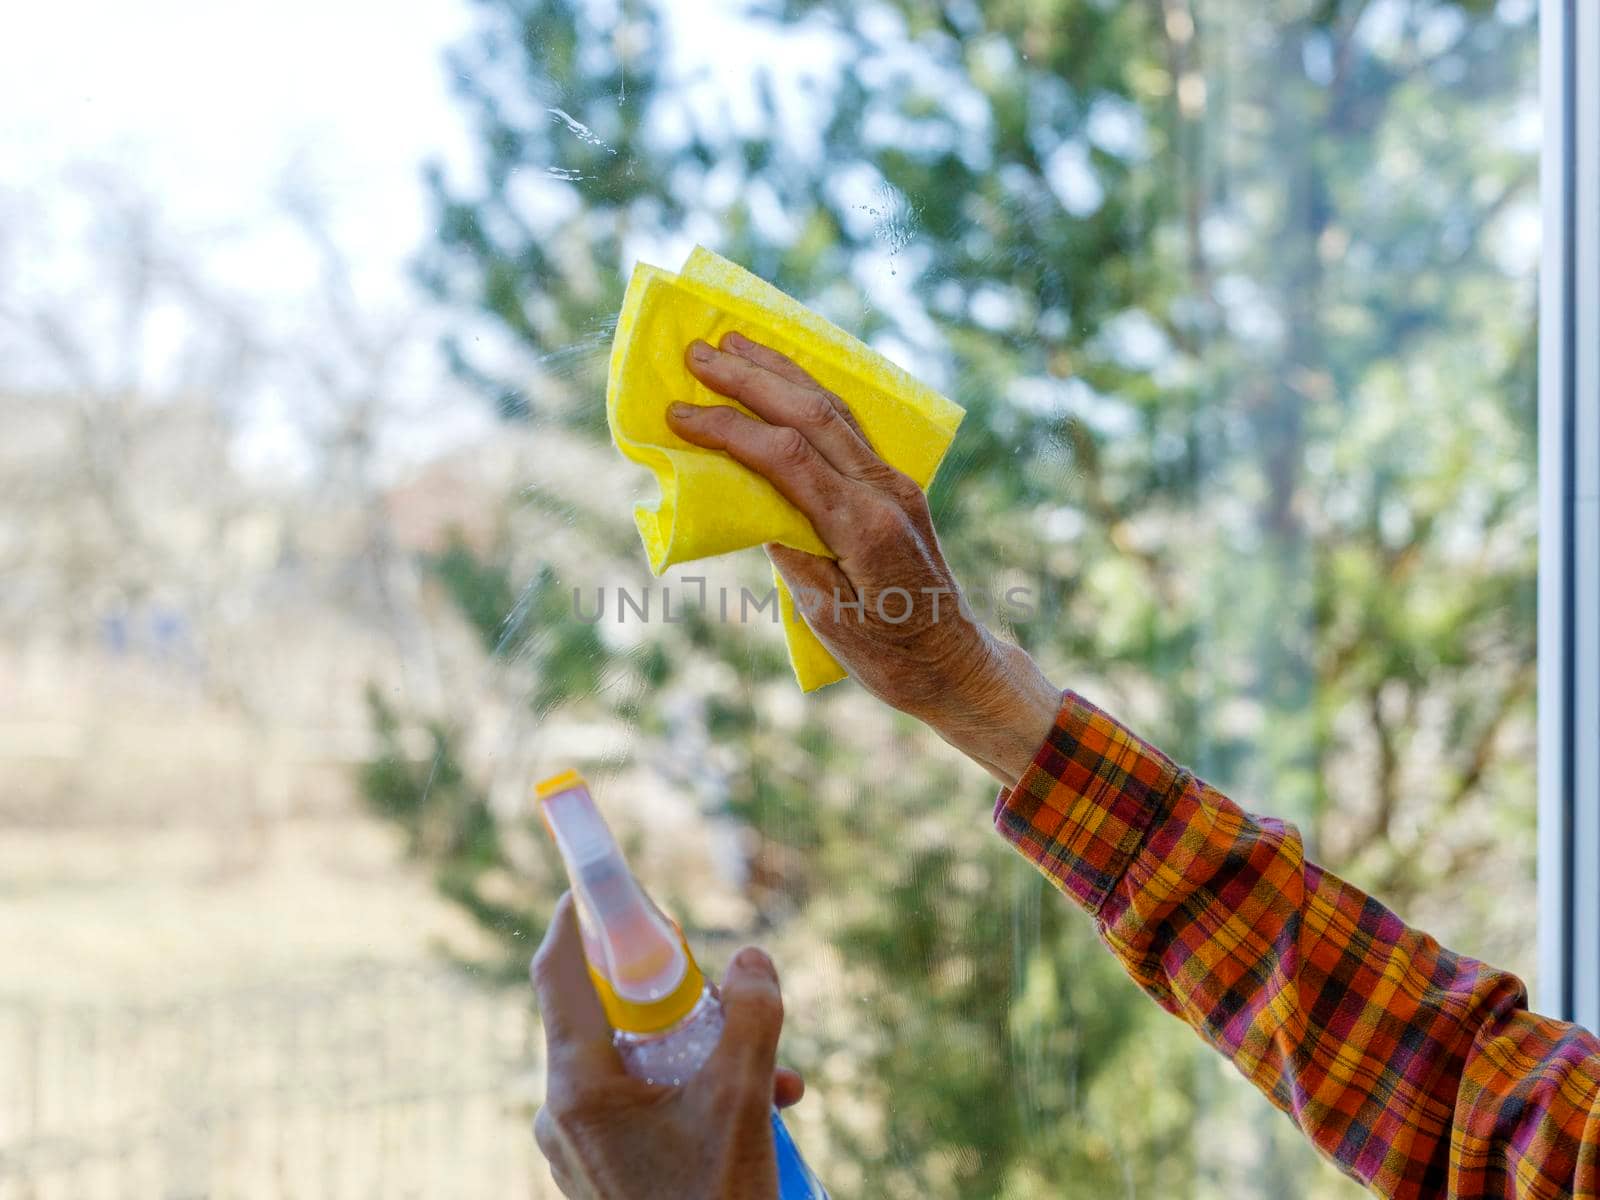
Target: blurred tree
[[1231, 296]]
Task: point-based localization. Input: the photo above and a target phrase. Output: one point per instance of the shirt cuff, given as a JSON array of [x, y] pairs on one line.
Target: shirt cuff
[[1088, 802]]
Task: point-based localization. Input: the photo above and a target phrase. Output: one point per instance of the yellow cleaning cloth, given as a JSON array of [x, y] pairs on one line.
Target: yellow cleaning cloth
[[709, 503]]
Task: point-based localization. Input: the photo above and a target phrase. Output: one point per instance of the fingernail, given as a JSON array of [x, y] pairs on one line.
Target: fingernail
[[699, 351], [737, 340], [681, 410], [751, 959]]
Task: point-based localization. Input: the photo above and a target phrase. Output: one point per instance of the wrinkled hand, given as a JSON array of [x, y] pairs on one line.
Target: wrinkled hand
[[609, 1136], [887, 607]]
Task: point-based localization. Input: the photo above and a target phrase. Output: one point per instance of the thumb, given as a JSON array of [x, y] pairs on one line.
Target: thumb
[[816, 586], [816, 583], [752, 1008]]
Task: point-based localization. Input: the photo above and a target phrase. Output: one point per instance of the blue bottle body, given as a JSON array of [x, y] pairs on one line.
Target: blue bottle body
[[795, 1180]]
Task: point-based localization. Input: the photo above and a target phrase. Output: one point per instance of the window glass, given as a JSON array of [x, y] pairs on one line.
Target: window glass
[[316, 552]]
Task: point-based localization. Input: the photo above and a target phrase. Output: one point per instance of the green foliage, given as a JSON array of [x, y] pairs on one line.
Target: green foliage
[[430, 797], [447, 821], [537, 627], [482, 591], [1249, 382]]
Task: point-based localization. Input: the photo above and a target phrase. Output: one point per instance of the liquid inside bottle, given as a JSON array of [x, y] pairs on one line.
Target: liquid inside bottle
[[676, 1055]]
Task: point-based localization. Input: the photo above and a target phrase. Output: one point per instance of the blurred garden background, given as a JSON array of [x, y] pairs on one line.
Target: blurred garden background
[[304, 321]]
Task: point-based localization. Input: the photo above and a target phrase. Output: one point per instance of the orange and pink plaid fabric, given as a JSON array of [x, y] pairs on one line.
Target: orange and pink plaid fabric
[[1419, 1072]]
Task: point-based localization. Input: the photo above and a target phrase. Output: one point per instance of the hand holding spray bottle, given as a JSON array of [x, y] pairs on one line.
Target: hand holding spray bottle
[[666, 1017]]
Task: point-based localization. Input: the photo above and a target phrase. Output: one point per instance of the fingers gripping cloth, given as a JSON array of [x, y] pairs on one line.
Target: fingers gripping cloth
[[710, 504]]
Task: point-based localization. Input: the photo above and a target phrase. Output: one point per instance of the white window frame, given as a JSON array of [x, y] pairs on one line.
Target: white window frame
[[1569, 518]]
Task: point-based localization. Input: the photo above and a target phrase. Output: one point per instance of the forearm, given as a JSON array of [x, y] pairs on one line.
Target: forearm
[[999, 713], [1417, 1070]]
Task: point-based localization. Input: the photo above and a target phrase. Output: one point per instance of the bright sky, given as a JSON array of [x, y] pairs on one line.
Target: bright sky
[[211, 110], [206, 105]]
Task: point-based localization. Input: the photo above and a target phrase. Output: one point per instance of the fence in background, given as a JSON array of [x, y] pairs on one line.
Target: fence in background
[[373, 1083]]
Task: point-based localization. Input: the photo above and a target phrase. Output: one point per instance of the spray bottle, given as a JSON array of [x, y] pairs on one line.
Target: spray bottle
[[666, 1018]]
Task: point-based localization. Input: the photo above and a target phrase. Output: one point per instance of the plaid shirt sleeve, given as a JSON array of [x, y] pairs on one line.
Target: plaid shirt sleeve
[[1417, 1071]]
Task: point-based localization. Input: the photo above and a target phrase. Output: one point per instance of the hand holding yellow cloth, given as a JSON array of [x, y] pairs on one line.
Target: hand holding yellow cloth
[[709, 503]]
